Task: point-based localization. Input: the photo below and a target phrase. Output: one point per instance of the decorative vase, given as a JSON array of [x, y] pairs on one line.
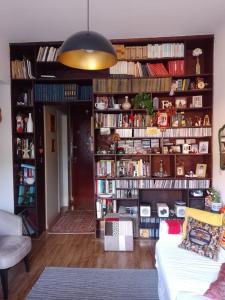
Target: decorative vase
[[126, 104], [197, 67], [29, 123]]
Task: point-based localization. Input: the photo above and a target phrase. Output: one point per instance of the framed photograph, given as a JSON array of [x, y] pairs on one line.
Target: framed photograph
[[166, 104], [203, 147], [197, 101], [181, 102], [201, 170], [194, 148], [162, 119], [180, 170], [175, 149]]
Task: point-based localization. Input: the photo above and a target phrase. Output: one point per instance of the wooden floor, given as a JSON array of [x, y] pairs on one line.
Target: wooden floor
[[74, 251]]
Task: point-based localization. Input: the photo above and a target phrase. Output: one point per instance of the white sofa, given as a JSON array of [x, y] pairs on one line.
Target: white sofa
[[183, 275]]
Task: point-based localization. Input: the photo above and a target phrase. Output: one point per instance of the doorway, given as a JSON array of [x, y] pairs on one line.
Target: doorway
[[69, 174]]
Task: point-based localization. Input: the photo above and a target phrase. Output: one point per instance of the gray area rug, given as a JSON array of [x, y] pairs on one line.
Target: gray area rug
[[100, 284]]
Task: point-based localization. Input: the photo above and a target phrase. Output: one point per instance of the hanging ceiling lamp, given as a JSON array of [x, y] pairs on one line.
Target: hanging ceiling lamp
[[87, 50]]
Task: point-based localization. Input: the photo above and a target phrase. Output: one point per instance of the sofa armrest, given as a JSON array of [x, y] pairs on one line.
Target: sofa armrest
[[10, 224]]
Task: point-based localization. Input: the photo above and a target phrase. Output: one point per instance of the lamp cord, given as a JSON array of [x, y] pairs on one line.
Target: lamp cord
[[87, 15]]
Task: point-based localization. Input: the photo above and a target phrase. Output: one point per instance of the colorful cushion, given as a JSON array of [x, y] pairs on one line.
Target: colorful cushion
[[216, 290], [201, 215], [202, 238]]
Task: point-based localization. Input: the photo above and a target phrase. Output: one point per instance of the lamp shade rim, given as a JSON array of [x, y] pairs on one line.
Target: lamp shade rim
[[87, 50], [87, 40]]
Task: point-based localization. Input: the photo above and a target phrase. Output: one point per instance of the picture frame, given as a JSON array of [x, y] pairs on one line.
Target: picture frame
[[194, 148], [166, 104], [175, 149], [181, 102], [180, 170], [201, 170], [162, 119], [203, 147], [197, 101]]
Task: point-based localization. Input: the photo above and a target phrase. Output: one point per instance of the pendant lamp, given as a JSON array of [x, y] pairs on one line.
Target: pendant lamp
[[87, 50]]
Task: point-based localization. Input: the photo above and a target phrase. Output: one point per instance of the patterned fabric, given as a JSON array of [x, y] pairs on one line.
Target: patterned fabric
[[118, 235], [202, 238], [216, 290], [222, 243]]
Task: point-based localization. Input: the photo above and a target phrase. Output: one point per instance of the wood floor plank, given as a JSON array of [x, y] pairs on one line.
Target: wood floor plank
[[68, 250]]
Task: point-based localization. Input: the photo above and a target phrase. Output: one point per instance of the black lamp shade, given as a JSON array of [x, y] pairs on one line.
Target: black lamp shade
[[87, 50]]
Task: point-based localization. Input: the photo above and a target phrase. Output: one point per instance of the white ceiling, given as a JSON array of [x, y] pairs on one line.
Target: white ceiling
[[54, 20]]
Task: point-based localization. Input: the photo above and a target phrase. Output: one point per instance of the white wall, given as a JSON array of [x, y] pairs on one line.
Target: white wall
[[219, 107], [51, 168], [63, 160], [6, 171]]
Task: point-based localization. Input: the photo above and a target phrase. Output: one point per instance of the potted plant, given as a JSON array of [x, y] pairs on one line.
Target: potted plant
[[144, 101], [215, 199]]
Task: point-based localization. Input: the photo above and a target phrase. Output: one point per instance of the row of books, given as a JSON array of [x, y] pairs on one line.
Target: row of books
[[183, 84], [26, 172], [26, 195], [167, 133], [137, 69], [21, 69], [47, 53], [127, 194], [133, 85], [123, 120], [147, 222], [105, 168], [149, 233], [163, 50], [105, 206], [62, 92], [133, 168], [162, 183], [104, 186]]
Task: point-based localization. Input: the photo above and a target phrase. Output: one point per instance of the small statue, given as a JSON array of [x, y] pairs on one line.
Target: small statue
[[206, 121]]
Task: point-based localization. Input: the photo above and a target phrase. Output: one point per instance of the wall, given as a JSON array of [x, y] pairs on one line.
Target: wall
[[63, 159], [6, 171], [219, 106], [51, 167]]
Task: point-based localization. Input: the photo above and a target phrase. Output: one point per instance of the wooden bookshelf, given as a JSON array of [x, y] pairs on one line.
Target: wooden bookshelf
[[144, 165], [37, 79]]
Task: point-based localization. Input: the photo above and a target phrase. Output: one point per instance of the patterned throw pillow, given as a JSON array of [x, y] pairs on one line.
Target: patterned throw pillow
[[202, 238], [216, 290]]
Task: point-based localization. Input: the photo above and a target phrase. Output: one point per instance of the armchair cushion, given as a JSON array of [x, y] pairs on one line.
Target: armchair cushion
[[13, 249], [10, 224]]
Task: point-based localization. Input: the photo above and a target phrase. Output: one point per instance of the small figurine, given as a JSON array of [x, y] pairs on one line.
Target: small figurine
[[19, 123], [206, 121]]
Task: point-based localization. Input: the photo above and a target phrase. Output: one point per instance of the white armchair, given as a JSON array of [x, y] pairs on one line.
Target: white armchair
[[13, 246]]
